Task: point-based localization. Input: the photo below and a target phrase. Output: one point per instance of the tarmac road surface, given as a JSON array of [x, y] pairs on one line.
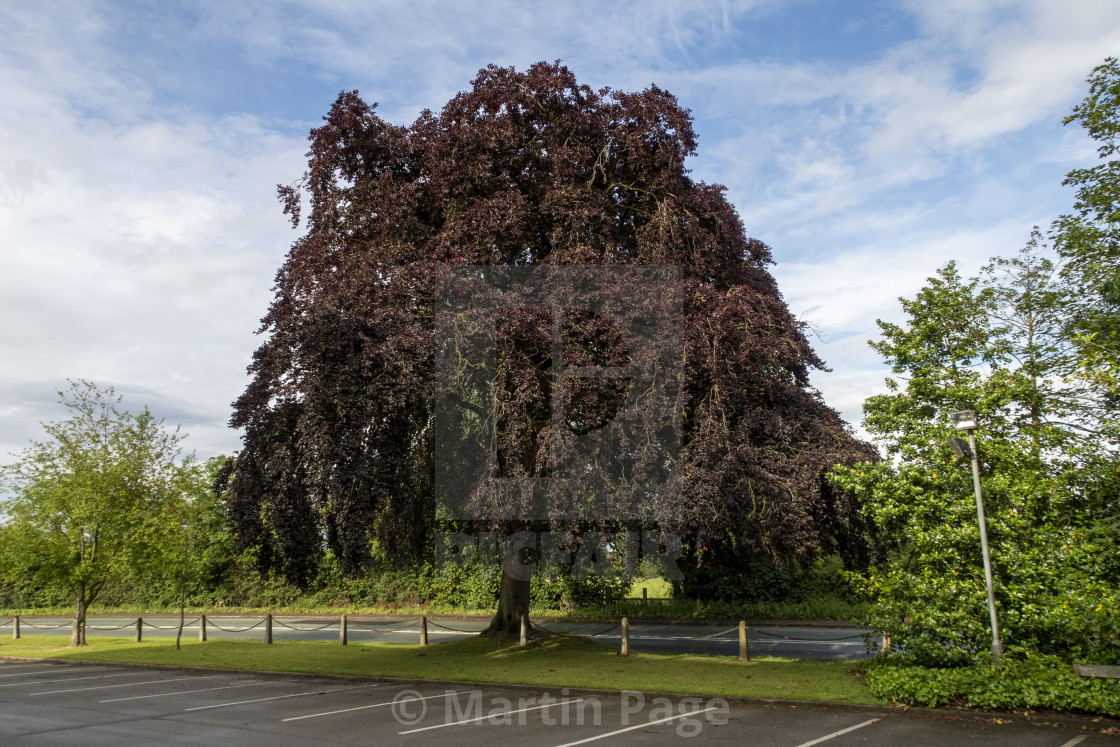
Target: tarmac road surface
[[94, 704]]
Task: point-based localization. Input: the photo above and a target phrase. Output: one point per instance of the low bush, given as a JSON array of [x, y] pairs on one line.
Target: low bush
[[462, 587], [1030, 682], [765, 580]]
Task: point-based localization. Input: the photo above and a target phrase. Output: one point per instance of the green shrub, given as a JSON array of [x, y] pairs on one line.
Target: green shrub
[[1030, 682], [465, 587], [566, 593], [1056, 586], [736, 580]]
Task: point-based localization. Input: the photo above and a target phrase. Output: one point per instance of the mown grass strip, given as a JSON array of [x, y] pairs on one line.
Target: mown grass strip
[[553, 661]]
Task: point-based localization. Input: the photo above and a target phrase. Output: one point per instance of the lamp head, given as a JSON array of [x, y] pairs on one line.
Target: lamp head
[[964, 420], [960, 447]]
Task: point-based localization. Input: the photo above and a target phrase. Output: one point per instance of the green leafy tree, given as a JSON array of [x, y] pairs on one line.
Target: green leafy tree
[[1033, 347], [1089, 238], [213, 548], [201, 540], [92, 500], [1029, 315], [991, 345], [195, 549]]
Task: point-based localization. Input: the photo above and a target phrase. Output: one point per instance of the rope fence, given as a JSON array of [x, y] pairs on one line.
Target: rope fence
[[187, 624], [210, 623], [691, 637], [453, 630], [115, 627], [420, 625], [596, 634], [373, 627], [331, 624], [809, 640], [377, 626]]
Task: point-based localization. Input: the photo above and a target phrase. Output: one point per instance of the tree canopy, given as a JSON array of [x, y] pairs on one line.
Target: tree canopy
[[98, 500], [525, 169], [1089, 238], [993, 345]]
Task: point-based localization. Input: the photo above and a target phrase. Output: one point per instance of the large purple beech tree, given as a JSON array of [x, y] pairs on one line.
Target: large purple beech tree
[[525, 169]]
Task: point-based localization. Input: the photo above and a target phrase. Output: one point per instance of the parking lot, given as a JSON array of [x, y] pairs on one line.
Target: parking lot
[[94, 704]]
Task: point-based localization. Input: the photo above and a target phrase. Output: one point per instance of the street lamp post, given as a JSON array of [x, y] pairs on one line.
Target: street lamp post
[[965, 420]]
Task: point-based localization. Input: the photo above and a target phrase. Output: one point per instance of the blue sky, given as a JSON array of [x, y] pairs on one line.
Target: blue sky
[[140, 144]]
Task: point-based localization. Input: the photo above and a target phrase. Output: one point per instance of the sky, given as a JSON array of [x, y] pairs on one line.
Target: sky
[[867, 142]]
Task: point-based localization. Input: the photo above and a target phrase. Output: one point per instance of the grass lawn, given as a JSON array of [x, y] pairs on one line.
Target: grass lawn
[[656, 588], [553, 661]]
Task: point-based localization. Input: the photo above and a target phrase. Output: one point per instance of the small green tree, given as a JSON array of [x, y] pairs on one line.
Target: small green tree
[[197, 545], [92, 500]]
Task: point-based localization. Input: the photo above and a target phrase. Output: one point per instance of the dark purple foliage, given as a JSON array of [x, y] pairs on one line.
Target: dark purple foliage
[[523, 169]]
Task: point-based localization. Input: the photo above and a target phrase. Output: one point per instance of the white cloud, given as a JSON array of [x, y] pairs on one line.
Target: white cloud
[[141, 236], [810, 139], [138, 251], [866, 178]]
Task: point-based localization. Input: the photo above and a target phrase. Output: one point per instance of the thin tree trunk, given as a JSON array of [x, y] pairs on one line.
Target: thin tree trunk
[[182, 603], [77, 635], [78, 632]]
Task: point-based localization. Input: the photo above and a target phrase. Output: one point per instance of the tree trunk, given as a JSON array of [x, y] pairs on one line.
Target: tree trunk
[[78, 632], [513, 600], [182, 603]]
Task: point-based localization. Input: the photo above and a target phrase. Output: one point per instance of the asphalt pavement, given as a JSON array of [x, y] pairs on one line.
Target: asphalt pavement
[[92, 704]]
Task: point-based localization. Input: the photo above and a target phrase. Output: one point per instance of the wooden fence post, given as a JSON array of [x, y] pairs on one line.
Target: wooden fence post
[[268, 628], [423, 630], [744, 646], [625, 637], [202, 627], [15, 629], [139, 630], [342, 632]]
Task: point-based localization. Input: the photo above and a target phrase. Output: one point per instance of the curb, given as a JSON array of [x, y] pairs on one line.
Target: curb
[[1034, 718]]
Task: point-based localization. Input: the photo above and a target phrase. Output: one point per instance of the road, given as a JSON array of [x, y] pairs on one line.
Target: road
[[808, 642], [97, 704]]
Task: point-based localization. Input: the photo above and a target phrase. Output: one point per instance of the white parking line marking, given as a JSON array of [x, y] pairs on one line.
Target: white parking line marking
[[492, 715], [276, 697], [56, 670], [181, 692], [375, 705], [127, 684], [638, 726], [73, 679], [834, 734], [1076, 740]]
